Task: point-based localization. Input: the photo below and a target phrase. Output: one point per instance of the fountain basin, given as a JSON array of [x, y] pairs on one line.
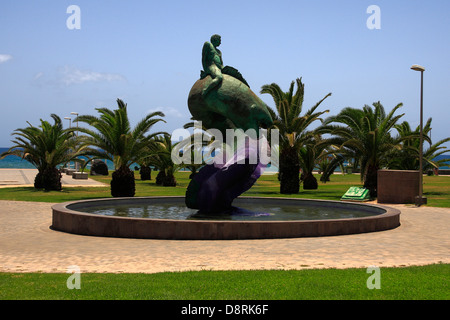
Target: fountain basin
[[69, 217]]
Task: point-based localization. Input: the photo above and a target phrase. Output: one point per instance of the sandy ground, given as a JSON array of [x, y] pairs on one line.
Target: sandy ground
[[27, 244]]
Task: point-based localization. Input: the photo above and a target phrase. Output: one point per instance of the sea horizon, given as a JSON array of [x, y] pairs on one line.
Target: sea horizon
[[14, 162]]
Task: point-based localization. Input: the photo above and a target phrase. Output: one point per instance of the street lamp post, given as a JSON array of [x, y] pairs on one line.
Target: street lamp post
[[76, 114], [70, 125], [420, 199], [70, 120]]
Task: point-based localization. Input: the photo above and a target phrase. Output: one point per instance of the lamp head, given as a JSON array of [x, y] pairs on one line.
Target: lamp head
[[416, 67]]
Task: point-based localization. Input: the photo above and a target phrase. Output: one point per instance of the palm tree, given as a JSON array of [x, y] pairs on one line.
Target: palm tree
[[365, 134], [195, 152], [195, 149], [113, 139], [46, 147], [308, 156], [145, 170], [160, 156], [292, 127], [435, 150], [328, 164], [314, 153], [408, 157]]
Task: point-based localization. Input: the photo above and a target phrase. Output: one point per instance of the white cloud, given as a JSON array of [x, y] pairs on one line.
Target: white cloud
[[168, 111], [5, 57], [38, 75], [70, 75]]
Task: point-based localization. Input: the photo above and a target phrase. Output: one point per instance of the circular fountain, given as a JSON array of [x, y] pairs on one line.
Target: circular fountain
[[250, 218], [222, 100]]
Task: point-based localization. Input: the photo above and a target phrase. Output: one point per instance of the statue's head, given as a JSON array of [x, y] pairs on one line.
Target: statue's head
[[216, 40]]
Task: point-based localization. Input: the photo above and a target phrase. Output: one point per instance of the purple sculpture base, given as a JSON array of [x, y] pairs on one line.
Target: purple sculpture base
[[213, 189]]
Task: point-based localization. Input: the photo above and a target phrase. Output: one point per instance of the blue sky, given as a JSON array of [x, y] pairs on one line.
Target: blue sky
[[148, 53]]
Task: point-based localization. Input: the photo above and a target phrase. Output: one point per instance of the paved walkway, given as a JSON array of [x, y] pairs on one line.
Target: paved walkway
[[28, 245], [25, 177]]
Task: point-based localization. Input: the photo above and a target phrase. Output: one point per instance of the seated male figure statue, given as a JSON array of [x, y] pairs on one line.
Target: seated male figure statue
[[212, 63], [221, 99]]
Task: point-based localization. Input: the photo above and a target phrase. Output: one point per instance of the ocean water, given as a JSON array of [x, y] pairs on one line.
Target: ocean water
[[13, 162]]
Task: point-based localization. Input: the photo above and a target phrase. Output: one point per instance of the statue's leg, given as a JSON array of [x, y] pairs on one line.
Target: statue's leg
[[217, 77]]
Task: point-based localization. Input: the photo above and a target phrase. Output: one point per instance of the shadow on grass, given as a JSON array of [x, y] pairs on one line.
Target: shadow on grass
[[435, 193]]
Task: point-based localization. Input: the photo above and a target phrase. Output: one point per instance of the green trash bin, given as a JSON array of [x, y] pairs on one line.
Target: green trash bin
[[356, 194]]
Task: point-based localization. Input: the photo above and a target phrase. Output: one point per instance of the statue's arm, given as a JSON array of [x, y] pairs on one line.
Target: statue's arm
[[207, 56]]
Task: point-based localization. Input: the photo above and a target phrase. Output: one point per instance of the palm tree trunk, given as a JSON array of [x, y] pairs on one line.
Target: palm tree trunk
[[38, 184], [289, 171], [370, 180], [310, 182], [160, 177], [146, 173], [51, 179], [169, 181], [122, 183]]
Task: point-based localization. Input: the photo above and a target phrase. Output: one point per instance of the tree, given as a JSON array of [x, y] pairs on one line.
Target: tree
[[435, 150], [365, 134], [145, 170], [160, 156], [315, 153], [45, 147], [329, 162], [308, 156], [113, 139], [293, 131], [408, 157], [192, 166], [195, 149]]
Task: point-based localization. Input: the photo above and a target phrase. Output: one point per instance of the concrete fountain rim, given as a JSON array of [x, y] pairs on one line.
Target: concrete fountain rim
[[76, 222]]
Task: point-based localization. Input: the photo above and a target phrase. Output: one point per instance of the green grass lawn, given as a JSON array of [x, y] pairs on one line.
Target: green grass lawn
[[425, 282], [436, 189]]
